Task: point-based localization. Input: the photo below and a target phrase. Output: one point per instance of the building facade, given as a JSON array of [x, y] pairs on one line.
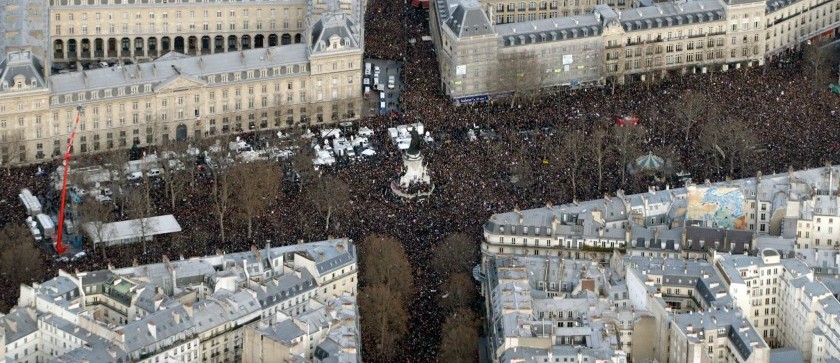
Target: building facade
[[258, 83], [793, 213], [543, 308], [585, 43], [192, 310]]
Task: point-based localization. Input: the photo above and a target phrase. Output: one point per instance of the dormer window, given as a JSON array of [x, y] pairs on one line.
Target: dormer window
[[335, 42], [19, 82]]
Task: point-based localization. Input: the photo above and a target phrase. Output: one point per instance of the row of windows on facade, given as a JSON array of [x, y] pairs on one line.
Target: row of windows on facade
[[568, 254], [237, 105], [5, 151], [553, 5], [212, 79], [131, 2], [179, 101], [4, 136], [802, 31], [801, 9], [164, 27], [675, 35], [679, 59], [178, 14], [567, 243]]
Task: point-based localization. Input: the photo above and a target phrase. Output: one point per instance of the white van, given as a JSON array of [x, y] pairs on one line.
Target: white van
[[391, 82], [367, 69], [382, 96]]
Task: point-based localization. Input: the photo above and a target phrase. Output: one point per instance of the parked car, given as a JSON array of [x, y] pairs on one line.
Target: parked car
[[134, 175]]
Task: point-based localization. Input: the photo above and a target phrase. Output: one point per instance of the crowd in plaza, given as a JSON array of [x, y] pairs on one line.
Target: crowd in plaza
[[793, 121]]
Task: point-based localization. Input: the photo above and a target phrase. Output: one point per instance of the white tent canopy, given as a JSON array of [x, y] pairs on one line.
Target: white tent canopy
[[131, 231]]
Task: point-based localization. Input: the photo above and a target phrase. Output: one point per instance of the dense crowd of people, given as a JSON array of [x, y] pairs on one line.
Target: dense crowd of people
[[793, 120]]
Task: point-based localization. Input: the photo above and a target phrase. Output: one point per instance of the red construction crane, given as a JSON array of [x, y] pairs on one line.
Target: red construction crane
[[59, 247]]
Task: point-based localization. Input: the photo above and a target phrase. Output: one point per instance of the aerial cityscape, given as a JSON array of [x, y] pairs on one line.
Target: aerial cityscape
[[339, 181]]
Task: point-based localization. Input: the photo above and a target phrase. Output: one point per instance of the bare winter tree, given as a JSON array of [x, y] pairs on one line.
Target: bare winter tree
[[459, 291], [688, 110], [11, 149], [256, 185], [301, 161], [383, 302], [817, 57], [174, 178], [456, 253], [627, 141], [519, 73], [384, 321], [612, 68], [12, 234], [222, 193], [115, 164], [384, 262], [521, 170], [598, 148], [648, 69], [95, 216], [327, 193], [729, 143], [571, 155], [20, 261], [459, 337], [140, 209]]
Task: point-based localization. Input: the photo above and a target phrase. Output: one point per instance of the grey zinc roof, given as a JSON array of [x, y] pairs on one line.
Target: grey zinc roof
[[147, 296], [58, 286], [96, 277], [284, 331], [21, 63], [161, 70], [330, 25], [671, 14], [327, 351], [552, 29], [237, 304], [186, 271], [729, 240], [786, 355], [813, 289], [640, 235], [831, 283], [137, 333], [286, 286], [23, 23], [796, 267], [774, 5], [830, 305], [739, 331], [18, 323], [328, 265], [94, 350], [469, 20]]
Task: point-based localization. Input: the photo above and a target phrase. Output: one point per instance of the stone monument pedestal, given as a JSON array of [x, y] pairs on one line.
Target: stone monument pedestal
[[415, 181]]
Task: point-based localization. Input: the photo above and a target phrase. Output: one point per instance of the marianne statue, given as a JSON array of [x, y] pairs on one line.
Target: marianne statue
[[414, 146]]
